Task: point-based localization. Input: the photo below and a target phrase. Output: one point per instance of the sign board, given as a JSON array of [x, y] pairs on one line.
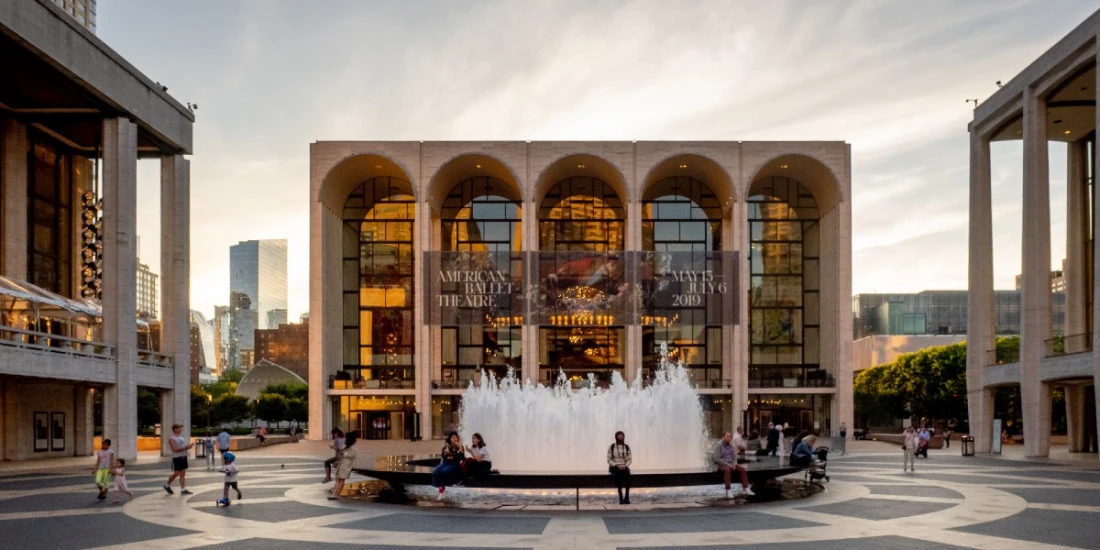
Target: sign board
[[996, 436]]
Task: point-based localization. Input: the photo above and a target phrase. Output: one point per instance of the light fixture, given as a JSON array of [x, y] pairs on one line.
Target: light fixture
[[378, 166], [1057, 121], [783, 166], [1067, 132], [477, 166], [580, 166], [683, 166]]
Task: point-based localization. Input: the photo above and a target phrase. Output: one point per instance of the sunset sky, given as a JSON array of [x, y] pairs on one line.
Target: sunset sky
[[270, 77]]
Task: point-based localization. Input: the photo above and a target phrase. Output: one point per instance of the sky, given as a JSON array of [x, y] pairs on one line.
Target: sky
[[890, 78]]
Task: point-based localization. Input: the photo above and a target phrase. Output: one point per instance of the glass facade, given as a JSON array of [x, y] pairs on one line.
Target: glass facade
[[378, 285], [376, 416], [683, 215], [50, 200], [481, 215], [581, 214], [784, 287]]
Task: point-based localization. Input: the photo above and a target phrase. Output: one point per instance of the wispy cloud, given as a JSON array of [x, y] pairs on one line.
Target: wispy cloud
[[889, 78]]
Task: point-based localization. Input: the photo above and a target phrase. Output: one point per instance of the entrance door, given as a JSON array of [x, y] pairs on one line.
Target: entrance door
[[765, 418], [1090, 419]]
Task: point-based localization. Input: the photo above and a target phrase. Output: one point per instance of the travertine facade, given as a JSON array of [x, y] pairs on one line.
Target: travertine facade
[[1053, 99], [424, 174]]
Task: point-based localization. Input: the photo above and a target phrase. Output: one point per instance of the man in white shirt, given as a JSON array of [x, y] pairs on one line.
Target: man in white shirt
[[179, 446]]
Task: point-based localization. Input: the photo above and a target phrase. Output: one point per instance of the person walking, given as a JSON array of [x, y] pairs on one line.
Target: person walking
[[230, 470], [725, 456], [909, 450], [223, 443], [618, 465], [208, 446], [450, 464], [120, 480], [104, 461], [179, 447], [344, 467], [338, 444], [773, 439], [843, 431]]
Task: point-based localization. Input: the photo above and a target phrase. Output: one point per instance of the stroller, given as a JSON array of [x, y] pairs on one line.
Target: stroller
[[818, 470]]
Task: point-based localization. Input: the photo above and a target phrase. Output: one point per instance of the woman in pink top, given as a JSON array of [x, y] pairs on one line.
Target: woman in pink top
[[909, 449]]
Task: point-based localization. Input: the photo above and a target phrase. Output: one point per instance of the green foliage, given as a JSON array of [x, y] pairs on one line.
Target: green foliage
[[230, 408], [148, 408], [1008, 350], [225, 385], [271, 407], [929, 383], [201, 403], [289, 391], [297, 410]]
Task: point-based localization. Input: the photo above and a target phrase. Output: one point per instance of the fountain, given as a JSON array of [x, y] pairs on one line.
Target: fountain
[[532, 427]]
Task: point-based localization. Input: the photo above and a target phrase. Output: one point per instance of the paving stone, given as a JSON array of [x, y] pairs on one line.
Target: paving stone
[[274, 544], [271, 511], [878, 509], [1077, 497], [64, 532], [692, 523], [452, 523], [894, 543], [914, 490], [1046, 526]]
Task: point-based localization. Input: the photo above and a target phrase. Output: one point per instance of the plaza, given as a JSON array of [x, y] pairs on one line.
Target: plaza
[[950, 502]]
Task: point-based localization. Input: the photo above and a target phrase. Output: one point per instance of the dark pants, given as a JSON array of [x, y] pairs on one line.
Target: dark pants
[[328, 466], [446, 474], [474, 467], [622, 482], [773, 446]]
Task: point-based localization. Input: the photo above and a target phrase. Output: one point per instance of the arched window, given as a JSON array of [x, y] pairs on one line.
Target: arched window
[[682, 215], [784, 288], [481, 215], [581, 214], [378, 284]]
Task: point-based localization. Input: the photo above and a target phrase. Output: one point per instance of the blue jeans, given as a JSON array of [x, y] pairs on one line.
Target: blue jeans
[[445, 474]]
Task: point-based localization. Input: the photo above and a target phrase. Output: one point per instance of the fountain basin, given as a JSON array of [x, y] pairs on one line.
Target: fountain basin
[[400, 471]]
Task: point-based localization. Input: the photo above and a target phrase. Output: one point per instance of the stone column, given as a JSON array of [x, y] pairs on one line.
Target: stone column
[[119, 281], [1075, 417], [843, 318], [633, 242], [980, 307], [175, 216], [1077, 219], [736, 354], [326, 346], [83, 421], [422, 354], [1035, 318], [1095, 313], [529, 333], [13, 199]]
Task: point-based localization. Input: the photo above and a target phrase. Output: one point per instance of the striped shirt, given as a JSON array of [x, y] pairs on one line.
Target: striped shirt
[[618, 454]]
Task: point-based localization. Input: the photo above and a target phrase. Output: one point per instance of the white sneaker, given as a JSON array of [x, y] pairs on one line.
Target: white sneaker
[[440, 497], [729, 493], [748, 492]]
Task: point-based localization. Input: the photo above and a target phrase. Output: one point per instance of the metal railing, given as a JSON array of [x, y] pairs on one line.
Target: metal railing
[[817, 381], [1065, 345], [369, 384], [54, 343], [451, 384], [152, 358]]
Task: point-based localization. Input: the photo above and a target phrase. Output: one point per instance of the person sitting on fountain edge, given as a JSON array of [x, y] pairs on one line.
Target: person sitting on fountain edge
[[478, 460], [618, 464], [725, 456], [449, 469], [803, 454]]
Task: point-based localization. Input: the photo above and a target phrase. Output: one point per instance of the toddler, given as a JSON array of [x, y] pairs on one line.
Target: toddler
[[120, 480], [230, 470]]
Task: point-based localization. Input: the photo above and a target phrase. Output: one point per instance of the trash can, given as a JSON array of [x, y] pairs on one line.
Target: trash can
[[967, 445], [200, 449]]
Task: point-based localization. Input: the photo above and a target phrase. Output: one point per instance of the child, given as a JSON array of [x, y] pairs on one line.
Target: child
[[104, 460], [208, 445], [230, 470], [120, 480]]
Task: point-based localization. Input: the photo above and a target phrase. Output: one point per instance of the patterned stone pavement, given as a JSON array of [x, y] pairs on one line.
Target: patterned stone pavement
[[951, 502]]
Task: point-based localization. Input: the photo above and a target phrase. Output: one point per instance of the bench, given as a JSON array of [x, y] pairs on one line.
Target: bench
[[251, 442], [400, 471]]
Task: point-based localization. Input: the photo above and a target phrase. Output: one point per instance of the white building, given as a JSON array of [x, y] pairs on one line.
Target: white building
[[585, 229], [85, 115]]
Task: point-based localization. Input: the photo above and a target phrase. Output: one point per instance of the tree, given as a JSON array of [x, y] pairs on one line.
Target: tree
[[227, 384], [290, 391], [148, 408], [297, 410], [928, 384], [230, 408], [271, 407], [201, 403]]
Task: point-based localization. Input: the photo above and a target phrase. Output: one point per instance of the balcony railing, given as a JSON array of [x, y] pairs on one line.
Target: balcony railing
[[29, 339], [152, 358], [809, 381], [369, 384], [451, 384], [1065, 345]]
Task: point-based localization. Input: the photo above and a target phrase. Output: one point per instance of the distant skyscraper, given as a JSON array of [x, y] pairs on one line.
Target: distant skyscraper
[[257, 272], [146, 288], [276, 317], [81, 10]]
